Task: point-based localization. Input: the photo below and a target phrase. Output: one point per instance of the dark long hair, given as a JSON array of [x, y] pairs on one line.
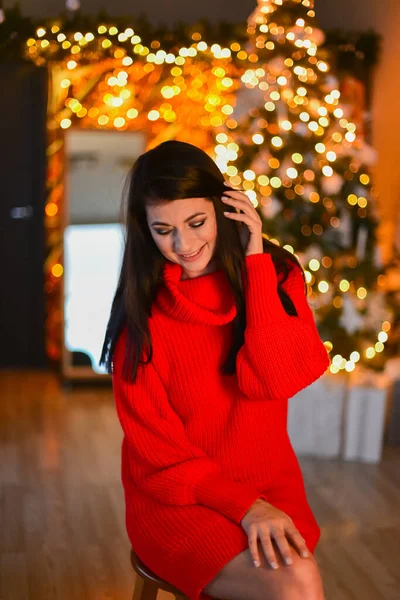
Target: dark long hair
[[172, 171]]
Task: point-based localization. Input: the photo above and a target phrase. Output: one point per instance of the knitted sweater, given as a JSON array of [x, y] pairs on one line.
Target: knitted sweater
[[194, 437]]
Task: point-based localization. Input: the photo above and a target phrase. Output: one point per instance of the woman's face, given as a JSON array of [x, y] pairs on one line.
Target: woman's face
[[183, 227]]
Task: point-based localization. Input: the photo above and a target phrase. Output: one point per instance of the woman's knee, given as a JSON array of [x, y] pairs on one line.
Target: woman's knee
[[240, 580], [299, 581], [304, 579]]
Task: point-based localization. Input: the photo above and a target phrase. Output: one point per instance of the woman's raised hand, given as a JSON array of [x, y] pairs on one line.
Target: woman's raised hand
[[265, 521], [249, 217]]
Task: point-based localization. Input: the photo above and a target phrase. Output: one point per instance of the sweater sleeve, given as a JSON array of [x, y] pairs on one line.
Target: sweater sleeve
[[281, 354], [172, 469]]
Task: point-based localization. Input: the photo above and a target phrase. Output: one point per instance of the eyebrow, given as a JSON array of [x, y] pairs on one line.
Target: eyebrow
[[185, 221]]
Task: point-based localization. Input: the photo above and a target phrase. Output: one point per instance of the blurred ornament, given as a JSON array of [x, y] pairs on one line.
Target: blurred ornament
[[347, 110], [281, 111], [392, 369], [308, 190], [362, 238], [350, 318], [313, 251], [392, 279], [276, 66], [317, 36], [284, 166], [247, 99], [313, 106], [378, 259], [364, 153], [353, 102], [332, 185], [377, 310], [360, 190], [2, 16], [254, 127], [270, 210], [72, 4], [330, 83], [346, 228], [260, 165], [301, 129]]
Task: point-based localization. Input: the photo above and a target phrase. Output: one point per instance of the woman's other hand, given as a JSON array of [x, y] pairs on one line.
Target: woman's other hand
[[265, 521]]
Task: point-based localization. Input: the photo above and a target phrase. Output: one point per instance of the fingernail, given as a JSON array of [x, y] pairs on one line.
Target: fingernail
[[288, 560], [274, 565], [257, 563], [305, 554]]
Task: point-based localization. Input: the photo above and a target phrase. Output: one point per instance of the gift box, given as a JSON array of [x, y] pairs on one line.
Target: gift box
[[364, 415], [315, 416], [343, 415]]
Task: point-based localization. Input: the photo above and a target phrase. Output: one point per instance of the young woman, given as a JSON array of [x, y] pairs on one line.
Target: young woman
[[209, 335]]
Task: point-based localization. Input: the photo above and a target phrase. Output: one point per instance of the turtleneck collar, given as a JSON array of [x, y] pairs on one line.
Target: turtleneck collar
[[207, 299]]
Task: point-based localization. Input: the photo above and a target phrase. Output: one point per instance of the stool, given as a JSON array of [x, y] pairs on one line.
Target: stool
[[147, 583]]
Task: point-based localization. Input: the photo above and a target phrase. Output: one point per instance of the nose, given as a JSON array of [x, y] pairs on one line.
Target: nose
[[184, 244]]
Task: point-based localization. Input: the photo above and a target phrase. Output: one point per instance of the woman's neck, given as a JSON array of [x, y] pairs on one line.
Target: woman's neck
[[210, 268]]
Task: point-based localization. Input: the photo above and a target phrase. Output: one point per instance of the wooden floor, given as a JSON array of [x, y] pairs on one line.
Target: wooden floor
[[63, 532]]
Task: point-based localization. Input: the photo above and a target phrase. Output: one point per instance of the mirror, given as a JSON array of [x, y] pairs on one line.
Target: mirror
[[97, 163]]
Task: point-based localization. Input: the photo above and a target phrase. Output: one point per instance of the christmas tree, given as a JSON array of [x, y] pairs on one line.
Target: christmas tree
[[290, 146]]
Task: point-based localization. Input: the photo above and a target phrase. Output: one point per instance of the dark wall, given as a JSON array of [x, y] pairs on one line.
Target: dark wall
[[331, 13], [158, 11], [353, 14], [22, 197]]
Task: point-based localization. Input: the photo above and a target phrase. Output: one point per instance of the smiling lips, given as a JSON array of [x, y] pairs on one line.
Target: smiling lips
[[193, 255]]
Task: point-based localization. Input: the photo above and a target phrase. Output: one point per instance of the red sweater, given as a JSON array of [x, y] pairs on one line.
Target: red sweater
[[200, 447]]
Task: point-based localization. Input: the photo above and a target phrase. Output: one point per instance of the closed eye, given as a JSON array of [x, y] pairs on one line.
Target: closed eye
[[193, 225]]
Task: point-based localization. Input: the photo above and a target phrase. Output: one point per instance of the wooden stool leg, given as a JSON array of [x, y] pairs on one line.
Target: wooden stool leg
[[144, 590]]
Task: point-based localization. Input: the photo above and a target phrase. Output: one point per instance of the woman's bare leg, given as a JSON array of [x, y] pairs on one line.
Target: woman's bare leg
[[241, 580]]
